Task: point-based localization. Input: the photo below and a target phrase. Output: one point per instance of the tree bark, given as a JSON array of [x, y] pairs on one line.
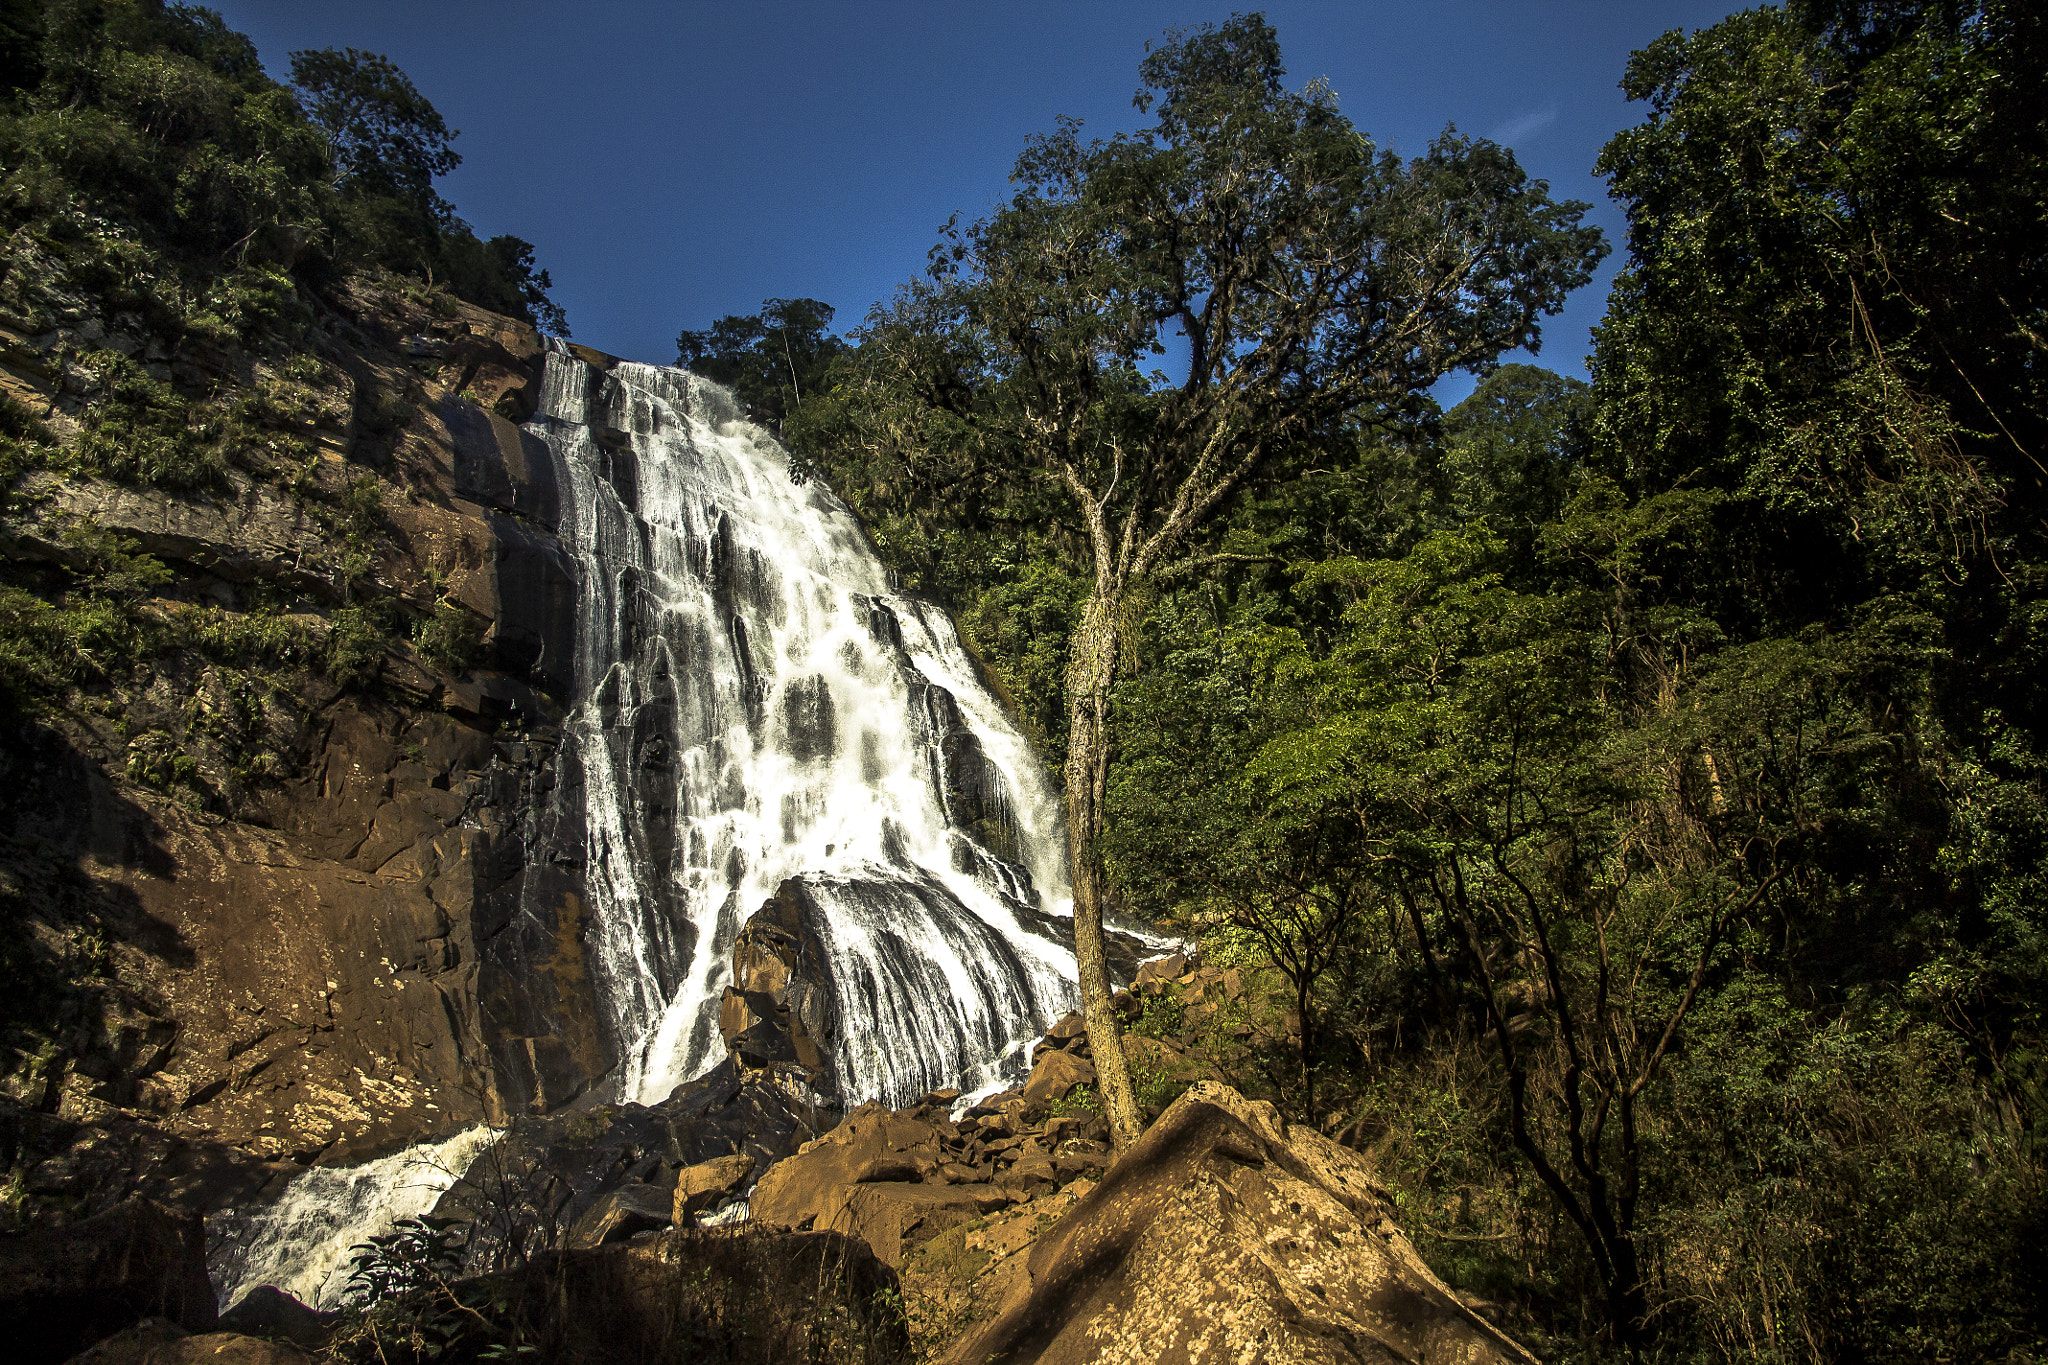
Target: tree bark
[[1091, 672]]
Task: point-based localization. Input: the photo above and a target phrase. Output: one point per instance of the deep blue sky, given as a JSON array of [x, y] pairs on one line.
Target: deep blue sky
[[675, 161]]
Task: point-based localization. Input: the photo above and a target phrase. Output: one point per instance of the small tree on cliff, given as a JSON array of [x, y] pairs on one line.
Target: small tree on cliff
[[1319, 283]]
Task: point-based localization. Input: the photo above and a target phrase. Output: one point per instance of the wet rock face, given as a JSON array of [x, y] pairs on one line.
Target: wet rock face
[[779, 1018], [976, 797], [595, 1175]]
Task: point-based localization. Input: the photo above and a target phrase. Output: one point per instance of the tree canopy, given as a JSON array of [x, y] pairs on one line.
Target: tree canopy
[[770, 359], [1319, 283], [1634, 790]]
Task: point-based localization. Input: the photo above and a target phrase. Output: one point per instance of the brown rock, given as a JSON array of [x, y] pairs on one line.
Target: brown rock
[[1072, 1165], [620, 1213], [894, 1218], [1069, 1027], [269, 1311], [1055, 1077], [160, 1343], [701, 1186], [1226, 1235], [873, 1144], [63, 1289], [1162, 969], [1030, 1173]]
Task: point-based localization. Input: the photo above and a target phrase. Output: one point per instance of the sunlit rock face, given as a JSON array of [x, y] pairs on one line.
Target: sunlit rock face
[[754, 710]]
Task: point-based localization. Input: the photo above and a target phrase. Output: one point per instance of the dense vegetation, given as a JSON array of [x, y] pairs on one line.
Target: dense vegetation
[[1637, 786], [172, 223]]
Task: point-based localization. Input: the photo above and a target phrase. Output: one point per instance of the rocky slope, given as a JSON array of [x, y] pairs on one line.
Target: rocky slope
[[266, 893]]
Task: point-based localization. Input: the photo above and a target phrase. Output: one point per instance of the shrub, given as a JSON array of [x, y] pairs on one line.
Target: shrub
[[449, 638], [355, 646]]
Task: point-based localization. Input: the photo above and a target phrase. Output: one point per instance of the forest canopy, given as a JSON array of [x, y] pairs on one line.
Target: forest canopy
[[145, 146], [1636, 785]]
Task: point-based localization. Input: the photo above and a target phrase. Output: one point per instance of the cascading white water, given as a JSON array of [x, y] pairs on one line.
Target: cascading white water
[[753, 703], [302, 1242]]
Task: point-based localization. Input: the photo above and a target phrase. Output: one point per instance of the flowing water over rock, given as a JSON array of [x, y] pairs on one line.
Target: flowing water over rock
[[301, 1243], [753, 705], [755, 713]]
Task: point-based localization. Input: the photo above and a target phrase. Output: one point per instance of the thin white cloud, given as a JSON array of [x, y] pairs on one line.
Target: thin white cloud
[[1522, 127]]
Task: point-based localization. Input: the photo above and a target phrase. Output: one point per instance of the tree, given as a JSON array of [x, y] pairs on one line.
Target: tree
[[771, 359], [1512, 452], [386, 136], [1317, 281], [21, 36], [387, 144], [501, 275]]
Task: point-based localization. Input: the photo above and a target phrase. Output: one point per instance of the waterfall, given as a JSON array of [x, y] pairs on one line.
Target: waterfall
[[754, 708], [301, 1243], [755, 704]]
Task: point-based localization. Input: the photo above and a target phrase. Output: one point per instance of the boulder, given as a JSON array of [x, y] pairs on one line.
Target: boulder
[[63, 1289], [620, 1213], [550, 1172], [1225, 1234], [1069, 1027], [1162, 969], [269, 1311], [780, 1015], [708, 1184], [893, 1218], [1055, 1076], [873, 1145], [157, 1342]]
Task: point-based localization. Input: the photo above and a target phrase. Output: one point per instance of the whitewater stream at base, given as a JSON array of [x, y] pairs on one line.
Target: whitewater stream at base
[[754, 704]]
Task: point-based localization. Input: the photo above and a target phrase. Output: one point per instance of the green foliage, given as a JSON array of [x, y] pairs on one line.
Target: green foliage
[[770, 360], [81, 625], [449, 638], [144, 431], [155, 760], [25, 441], [1159, 1016], [384, 135], [1685, 732], [356, 641], [157, 171], [417, 1254], [251, 303], [1080, 1102], [501, 275]]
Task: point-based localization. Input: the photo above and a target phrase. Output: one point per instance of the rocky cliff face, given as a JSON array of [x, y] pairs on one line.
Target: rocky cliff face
[[312, 906], [351, 855]]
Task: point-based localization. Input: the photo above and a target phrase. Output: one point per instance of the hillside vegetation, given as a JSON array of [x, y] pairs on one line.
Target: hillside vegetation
[[1635, 787]]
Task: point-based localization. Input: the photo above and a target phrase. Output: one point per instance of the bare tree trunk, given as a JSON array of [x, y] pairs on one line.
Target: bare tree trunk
[[1091, 673]]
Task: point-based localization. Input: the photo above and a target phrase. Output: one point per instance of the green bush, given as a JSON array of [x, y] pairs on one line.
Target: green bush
[[356, 642], [449, 638]]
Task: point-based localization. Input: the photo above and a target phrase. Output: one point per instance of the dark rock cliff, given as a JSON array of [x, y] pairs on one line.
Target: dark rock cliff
[[350, 917]]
